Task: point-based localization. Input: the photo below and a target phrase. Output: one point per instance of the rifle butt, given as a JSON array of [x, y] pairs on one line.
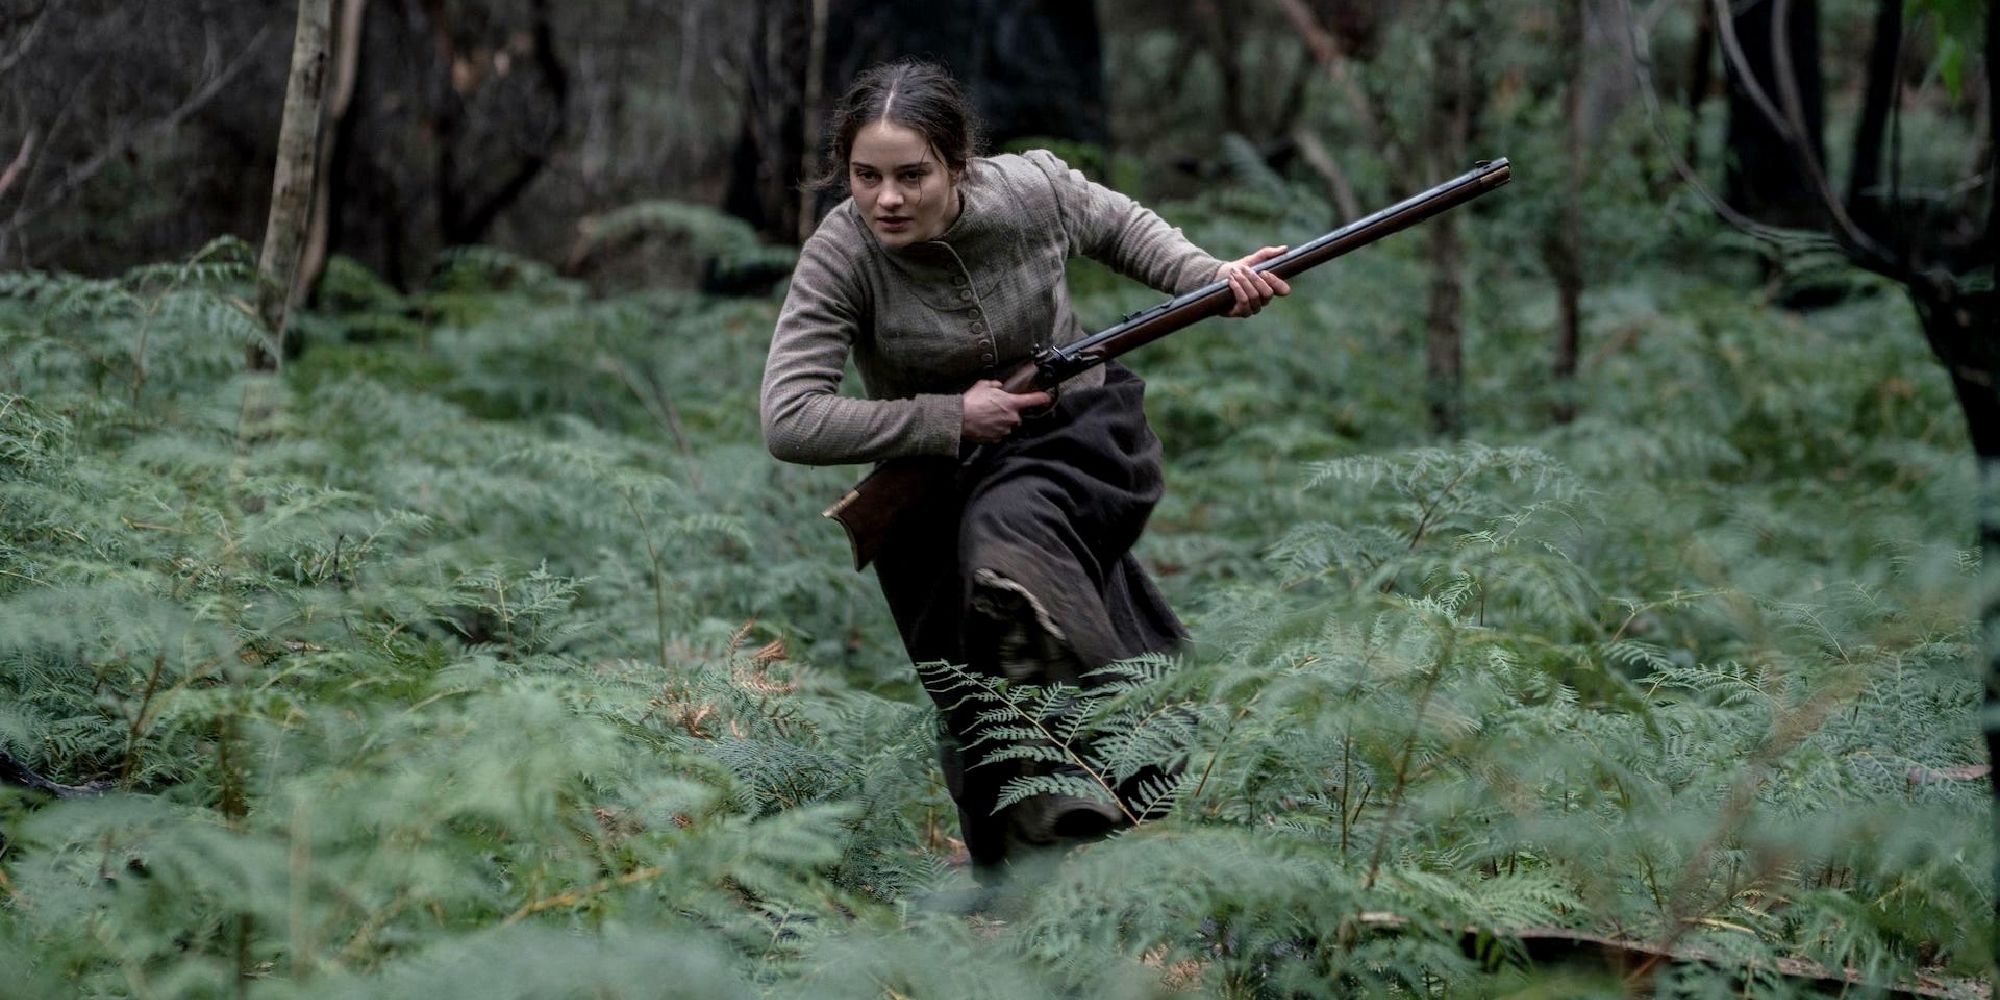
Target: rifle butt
[[886, 498]]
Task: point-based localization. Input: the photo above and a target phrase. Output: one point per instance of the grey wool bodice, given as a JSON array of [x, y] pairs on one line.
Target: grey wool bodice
[[925, 321]]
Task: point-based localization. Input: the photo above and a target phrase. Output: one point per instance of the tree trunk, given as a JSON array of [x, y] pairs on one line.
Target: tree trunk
[[334, 135], [1864, 202], [1765, 177], [292, 187], [1964, 333], [1454, 101], [478, 210], [1699, 63], [814, 110], [763, 171], [1566, 255], [1443, 344]]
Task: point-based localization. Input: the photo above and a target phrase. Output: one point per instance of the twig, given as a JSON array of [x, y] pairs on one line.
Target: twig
[[575, 896], [1787, 732], [661, 406], [1409, 750], [375, 922], [1202, 782], [140, 718], [659, 588]]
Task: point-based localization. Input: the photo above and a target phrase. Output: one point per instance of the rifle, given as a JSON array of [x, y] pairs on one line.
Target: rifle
[[871, 510]]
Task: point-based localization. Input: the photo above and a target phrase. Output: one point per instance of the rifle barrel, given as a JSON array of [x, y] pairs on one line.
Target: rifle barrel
[[1489, 174]]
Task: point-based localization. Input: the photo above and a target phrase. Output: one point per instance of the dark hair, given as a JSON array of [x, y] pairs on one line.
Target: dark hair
[[914, 93]]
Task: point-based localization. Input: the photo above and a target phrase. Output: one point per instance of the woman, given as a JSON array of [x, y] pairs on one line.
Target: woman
[[941, 272]]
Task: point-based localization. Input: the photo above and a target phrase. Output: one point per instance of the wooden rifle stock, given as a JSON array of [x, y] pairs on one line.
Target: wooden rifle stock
[[872, 509]]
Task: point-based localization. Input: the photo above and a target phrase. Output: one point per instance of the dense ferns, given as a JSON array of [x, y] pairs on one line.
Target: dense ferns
[[485, 653]]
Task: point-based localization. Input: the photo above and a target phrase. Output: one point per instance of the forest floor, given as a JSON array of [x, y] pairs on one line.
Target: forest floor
[[484, 651]]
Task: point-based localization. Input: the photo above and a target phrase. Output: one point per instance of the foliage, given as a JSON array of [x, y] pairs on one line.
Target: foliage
[[486, 653]]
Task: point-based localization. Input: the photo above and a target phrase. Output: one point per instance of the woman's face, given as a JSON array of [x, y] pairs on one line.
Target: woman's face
[[899, 185]]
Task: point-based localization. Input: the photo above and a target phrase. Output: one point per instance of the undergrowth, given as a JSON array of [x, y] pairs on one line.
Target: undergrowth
[[484, 652]]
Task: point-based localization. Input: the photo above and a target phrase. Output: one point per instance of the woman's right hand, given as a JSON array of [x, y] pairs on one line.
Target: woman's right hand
[[992, 413]]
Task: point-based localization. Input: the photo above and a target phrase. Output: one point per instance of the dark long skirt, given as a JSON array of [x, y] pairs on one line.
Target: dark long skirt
[[1043, 527]]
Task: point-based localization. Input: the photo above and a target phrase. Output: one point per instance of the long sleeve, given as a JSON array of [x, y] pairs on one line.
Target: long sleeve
[[1121, 233], [805, 419]]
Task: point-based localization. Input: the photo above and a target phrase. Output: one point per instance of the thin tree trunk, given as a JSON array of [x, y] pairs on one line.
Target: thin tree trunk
[[292, 186], [1986, 441], [475, 217], [810, 116], [1699, 79], [1225, 43], [1992, 144], [1962, 335], [761, 186], [1566, 258], [1765, 177], [1340, 189], [346, 70], [1864, 202], [447, 119], [1443, 343], [1453, 106]]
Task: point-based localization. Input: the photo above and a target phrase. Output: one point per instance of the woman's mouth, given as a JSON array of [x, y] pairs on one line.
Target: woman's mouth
[[893, 223]]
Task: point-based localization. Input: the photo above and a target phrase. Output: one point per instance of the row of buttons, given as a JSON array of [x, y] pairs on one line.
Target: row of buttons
[[978, 318], [978, 315]]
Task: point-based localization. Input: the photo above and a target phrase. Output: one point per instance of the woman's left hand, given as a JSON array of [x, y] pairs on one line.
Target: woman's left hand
[[1253, 288]]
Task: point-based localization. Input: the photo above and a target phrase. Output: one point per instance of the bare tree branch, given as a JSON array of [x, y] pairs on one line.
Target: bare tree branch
[[81, 174], [1642, 68], [1791, 126], [1326, 50], [35, 24], [1315, 153], [19, 163], [1725, 27], [11, 229]]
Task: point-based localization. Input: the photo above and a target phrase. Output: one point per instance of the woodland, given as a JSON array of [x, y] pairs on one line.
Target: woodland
[[1595, 591]]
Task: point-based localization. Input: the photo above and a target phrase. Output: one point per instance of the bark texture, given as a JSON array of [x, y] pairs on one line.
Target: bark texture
[[292, 185]]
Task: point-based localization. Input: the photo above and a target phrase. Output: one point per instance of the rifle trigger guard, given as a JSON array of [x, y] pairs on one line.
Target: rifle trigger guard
[[1055, 396]]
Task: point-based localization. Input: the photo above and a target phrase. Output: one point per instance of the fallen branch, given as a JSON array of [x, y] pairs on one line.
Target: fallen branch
[[19, 775], [1558, 946], [576, 896]]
